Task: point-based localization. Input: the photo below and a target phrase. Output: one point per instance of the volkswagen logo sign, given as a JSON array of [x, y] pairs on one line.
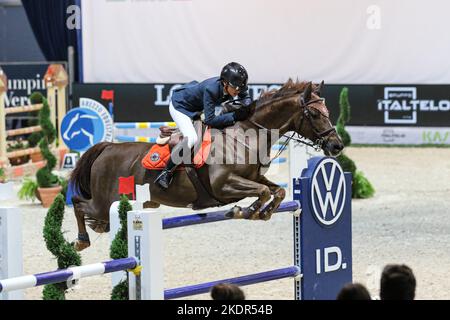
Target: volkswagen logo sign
[[328, 190]]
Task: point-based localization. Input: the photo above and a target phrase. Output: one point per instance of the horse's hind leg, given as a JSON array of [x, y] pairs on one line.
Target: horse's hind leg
[[278, 196], [81, 207]]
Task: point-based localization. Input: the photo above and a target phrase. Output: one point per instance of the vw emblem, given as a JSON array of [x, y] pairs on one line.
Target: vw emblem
[[155, 157], [328, 191]]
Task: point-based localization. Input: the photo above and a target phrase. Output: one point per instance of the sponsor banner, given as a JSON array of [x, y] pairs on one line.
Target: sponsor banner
[[86, 126], [371, 105], [23, 80], [380, 114], [325, 192], [393, 105], [399, 135]]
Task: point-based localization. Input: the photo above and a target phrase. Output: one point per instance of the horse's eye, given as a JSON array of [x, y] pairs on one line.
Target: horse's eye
[[314, 113]]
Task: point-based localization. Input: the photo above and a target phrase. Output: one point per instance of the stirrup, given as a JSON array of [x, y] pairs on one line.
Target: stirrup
[[164, 179]]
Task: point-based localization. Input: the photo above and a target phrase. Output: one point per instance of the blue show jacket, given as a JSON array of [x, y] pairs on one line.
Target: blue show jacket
[[194, 97]]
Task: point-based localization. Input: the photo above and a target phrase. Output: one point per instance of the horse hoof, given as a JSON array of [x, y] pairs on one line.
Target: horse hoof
[[235, 213], [80, 245], [265, 216], [252, 215]]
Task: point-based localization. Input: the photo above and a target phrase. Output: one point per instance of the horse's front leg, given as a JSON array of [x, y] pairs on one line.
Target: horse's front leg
[[278, 196], [237, 187]]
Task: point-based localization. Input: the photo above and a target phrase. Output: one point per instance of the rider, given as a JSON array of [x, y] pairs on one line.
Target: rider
[[209, 96]]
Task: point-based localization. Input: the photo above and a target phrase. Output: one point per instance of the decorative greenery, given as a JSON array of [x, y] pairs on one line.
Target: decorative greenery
[[120, 291], [347, 164], [16, 145], [34, 138], [28, 190], [56, 243], [45, 177], [361, 187], [119, 248], [344, 117], [2, 175], [64, 183]]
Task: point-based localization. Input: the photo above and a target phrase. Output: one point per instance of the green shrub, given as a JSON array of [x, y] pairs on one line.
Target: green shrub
[[28, 190], [347, 164], [45, 178], [120, 291], [119, 248], [34, 138], [362, 188], [56, 243], [344, 117]]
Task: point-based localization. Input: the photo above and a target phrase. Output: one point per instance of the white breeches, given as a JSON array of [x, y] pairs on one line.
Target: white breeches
[[184, 123]]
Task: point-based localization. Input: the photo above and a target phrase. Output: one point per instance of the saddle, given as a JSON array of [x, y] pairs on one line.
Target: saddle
[[168, 138], [159, 154]]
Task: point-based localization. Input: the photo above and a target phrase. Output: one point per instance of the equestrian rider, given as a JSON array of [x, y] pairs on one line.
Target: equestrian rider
[[209, 96]]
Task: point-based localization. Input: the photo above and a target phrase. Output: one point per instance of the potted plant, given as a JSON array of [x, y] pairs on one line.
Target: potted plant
[[33, 140], [49, 185], [28, 190], [17, 146]]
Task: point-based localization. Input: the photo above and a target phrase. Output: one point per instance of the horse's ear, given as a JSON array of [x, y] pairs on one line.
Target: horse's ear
[[307, 92], [320, 88]]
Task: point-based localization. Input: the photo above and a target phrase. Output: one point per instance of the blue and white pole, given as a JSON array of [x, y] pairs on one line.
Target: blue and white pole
[[67, 275]]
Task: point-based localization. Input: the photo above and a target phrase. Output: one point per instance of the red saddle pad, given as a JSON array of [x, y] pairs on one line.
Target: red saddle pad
[[157, 157]]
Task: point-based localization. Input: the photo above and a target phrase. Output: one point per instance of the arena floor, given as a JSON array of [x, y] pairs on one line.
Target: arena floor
[[406, 222]]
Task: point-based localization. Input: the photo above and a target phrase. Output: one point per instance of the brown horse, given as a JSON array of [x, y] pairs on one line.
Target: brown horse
[[296, 107]]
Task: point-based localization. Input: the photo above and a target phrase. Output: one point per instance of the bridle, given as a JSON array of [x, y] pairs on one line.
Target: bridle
[[307, 115], [321, 136]]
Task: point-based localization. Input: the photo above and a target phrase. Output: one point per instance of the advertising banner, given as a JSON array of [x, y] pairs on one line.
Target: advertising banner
[[23, 80]]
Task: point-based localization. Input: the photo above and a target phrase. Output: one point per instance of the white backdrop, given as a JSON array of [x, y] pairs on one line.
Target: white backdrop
[[345, 41]]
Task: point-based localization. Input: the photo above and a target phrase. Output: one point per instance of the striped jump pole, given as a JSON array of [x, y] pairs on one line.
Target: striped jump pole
[[279, 161], [67, 275], [144, 125], [135, 139]]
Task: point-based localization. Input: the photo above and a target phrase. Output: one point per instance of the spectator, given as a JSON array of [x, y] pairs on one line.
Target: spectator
[[226, 291], [354, 291], [397, 283]]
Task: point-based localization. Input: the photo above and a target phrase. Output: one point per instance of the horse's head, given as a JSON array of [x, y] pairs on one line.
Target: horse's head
[[314, 123]]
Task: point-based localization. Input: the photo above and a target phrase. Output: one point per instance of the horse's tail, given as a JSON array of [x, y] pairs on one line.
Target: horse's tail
[[81, 175]]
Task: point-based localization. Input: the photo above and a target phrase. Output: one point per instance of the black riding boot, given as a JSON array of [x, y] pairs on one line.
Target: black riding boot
[[166, 176]]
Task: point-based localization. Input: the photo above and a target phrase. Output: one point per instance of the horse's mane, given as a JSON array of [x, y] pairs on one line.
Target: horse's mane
[[289, 89]]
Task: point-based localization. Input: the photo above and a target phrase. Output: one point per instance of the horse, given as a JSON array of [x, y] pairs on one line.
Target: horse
[[296, 107]]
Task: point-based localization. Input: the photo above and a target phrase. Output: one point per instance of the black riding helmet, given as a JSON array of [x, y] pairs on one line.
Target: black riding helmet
[[235, 75]]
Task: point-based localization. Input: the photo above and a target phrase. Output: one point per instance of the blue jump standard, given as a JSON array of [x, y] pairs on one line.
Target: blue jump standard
[[180, 292], [201, 218]]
